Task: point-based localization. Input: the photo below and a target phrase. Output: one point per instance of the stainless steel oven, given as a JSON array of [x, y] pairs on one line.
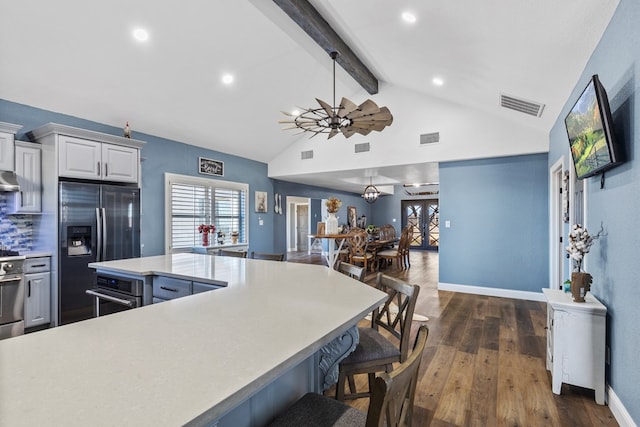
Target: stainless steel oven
[[114, 293], [11, 295]]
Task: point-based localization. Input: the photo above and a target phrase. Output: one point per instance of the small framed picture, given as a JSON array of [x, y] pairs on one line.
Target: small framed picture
[[210, 166], [320, 228], [261, 201], [352, 216]]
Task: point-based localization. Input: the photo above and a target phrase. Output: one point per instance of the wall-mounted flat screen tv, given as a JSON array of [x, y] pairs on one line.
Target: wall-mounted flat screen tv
[[590, 130]]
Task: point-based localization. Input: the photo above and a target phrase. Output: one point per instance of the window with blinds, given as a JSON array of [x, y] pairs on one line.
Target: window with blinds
[[192, 201]]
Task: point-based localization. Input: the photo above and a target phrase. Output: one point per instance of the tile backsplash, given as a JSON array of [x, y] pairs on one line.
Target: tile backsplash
[[15, 230]]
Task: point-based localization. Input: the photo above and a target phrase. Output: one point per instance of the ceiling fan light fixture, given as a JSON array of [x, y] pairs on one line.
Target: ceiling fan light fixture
[[346, 118]]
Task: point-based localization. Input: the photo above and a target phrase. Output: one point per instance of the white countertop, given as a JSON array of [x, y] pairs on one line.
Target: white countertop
[[165, 364], [564, 300]]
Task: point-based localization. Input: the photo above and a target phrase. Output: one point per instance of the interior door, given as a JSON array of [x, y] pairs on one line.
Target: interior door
[[423, 215], [302, 227]]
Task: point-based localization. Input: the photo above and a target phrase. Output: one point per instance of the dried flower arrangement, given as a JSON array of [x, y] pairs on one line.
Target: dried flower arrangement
[[333, 204], [206, 228], [580, 242]]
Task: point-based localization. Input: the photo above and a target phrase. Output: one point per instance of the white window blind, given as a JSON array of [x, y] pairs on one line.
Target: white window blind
[[192, 201]]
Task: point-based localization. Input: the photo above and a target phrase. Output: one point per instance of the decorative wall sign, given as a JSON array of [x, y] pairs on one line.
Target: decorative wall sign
[[211, 167], [352, 216], [261, 201]]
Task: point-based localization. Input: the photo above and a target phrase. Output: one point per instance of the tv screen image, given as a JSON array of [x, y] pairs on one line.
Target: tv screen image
[[589, 127]]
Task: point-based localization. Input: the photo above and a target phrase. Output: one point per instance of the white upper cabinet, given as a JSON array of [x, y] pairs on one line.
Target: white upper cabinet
[[29, 175], [81, 158], [7, 135]]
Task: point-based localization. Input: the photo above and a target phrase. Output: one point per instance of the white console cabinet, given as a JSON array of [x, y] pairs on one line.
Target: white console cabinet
[[576, 342]]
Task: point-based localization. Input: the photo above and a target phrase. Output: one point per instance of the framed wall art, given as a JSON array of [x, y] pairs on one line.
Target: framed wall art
[[352, 216], [210, 166], [261, 201]]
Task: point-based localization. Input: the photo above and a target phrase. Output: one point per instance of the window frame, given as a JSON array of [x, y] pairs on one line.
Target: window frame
[[171, 178]]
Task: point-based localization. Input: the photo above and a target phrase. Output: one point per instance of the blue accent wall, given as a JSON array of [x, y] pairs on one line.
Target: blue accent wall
[[613, 260], [498, 209], [161, 155]]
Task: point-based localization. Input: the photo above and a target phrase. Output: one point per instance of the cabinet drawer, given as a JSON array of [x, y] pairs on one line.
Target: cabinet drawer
[[204, 287], [37, 265], [169, 288]]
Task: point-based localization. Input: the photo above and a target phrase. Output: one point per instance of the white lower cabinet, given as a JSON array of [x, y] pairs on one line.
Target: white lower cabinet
[[37, 301], [576, 342]]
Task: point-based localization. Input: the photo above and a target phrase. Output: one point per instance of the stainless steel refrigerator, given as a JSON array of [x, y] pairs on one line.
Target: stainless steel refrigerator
[[98, 222]]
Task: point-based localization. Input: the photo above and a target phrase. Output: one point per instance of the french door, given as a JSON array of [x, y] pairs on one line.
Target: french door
[[423, 215]]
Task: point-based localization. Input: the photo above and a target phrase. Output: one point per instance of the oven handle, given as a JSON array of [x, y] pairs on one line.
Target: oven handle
[[10, 279], [109, 298]]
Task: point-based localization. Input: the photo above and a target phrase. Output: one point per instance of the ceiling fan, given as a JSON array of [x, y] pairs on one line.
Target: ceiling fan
[[346, 118]]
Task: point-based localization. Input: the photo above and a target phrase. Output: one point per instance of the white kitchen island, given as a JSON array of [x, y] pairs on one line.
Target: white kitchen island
[[232, 356]]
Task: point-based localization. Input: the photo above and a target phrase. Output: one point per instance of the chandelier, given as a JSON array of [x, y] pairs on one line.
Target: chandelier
[[370, 193], [347, 117]]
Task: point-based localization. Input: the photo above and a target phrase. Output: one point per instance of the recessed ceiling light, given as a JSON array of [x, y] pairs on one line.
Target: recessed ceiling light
[[141, 34], [409, 17], [437, 81], [295, 112], [227, 79]]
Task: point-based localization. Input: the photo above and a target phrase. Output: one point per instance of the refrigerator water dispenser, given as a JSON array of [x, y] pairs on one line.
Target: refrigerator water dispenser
[[79, 241]]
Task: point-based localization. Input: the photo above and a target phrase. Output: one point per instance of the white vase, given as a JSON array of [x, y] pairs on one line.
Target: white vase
[[332, 224]]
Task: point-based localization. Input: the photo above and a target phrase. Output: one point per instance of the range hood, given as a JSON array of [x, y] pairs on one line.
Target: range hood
[[8, 181]]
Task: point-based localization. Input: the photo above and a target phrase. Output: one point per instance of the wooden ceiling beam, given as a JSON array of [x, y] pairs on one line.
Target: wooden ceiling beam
[[310, 20]]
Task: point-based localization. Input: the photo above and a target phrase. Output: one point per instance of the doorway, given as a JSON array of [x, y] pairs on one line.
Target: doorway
[[424, 216], [298, 220], [302, 227]]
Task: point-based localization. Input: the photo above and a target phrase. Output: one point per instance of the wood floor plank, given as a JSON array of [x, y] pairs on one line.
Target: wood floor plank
[[485, 383], [453, 405]]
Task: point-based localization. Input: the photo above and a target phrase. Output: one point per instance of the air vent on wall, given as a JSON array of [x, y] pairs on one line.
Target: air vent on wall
[[518, 104], [304, 155], [362, 148], [430, 138]]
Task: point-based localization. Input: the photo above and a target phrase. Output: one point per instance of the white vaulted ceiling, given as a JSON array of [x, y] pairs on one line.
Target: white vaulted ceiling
[[79, 58]]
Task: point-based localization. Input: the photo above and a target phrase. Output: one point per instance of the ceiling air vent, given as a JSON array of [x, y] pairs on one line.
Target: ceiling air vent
[[521, 105], [430, 138], [304, 155], [362, 148]]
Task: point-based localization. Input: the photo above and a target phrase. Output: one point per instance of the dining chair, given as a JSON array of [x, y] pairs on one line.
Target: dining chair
[[351, 270], [358, 249], [237, 254], [391, 403], [267, 256], [396, 253], [376, 352]]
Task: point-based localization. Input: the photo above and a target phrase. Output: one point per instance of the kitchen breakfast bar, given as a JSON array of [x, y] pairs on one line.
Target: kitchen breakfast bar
[[236, 355]]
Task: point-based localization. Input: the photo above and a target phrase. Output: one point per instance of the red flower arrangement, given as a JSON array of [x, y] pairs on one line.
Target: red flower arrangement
[[207, 228]]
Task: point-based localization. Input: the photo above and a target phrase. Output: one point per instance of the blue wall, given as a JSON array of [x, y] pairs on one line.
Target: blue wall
[[498, 209], [159, 156], [613, 260]]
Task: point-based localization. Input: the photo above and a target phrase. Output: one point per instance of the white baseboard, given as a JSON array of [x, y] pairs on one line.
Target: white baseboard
[[618, 410], [492, 292]]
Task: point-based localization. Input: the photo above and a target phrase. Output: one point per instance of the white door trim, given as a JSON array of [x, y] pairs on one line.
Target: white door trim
[[556, 224]]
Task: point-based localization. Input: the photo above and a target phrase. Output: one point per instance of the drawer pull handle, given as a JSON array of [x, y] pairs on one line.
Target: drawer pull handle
[[39, 265], [168, 289]]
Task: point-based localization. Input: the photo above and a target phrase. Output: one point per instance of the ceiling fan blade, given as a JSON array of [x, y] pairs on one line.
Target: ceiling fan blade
[[326, 107], [346, 107], [347, 131], [333, 133], [366, 108]]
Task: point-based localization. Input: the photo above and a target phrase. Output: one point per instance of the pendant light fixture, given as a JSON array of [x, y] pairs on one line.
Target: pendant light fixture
[[347, 117], [370, 193]]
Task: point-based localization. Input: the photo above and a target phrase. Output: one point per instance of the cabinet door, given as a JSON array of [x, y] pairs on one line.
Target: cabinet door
[[37, 302], [28, 172], [120, 163], [80, 158], [6, 151]]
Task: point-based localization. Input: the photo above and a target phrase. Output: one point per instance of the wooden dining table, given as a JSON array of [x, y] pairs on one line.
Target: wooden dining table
[[333, 239], [375, 246]]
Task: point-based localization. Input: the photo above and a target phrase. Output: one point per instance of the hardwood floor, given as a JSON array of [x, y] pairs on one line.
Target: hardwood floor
[[484, 364]]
